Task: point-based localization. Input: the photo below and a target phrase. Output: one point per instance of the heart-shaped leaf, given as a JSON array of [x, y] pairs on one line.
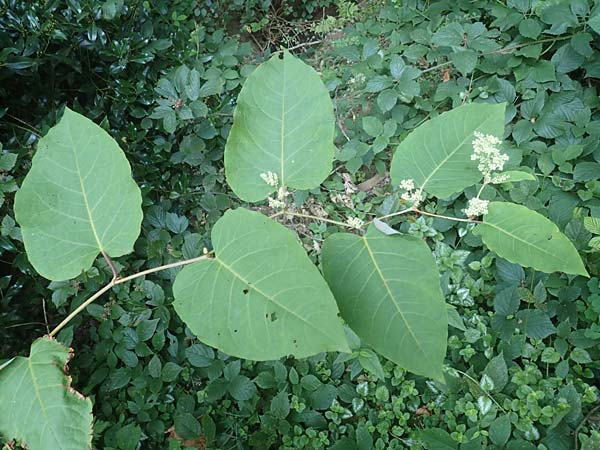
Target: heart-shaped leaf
[[261, 297], [77, 200], [283, 123], [388, 290]]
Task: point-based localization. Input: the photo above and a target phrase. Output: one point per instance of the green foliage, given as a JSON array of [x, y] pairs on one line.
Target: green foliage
[[382, 65], [42, 411], [260, 298], [78, 200], [284, 124], [394, 304], [437, 155], [525, 237]]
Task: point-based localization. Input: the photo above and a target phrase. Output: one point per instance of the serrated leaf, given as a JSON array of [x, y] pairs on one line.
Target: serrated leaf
[[592, 224], [388, 291], [39, 408], [536, 324], [283, 123], [260, 298], [525, 237], [437, 155], [77, 200]]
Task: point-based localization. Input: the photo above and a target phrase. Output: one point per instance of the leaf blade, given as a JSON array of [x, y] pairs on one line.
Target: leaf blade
[[77, 200], [283, 123], [383, 269], [28, 419], [527, 238], [446, 142], [275, 295]]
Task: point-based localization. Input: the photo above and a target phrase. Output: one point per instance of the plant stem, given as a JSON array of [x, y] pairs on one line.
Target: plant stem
[[111, 265], [387, 216], [116, 281], [308, 216], [470, 378], [425, 213]]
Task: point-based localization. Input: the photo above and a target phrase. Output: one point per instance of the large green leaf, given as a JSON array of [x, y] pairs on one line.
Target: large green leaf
[[39, 407], [437, 154], [388, 290], [525, 237], [283, 123], [77, 200], [261, 297]]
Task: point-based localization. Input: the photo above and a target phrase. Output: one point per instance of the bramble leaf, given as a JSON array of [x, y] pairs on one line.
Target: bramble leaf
[[39, 407], [388, 291], [283, 123], [77, 200], [525, 237], [261, 297], [437, 154]]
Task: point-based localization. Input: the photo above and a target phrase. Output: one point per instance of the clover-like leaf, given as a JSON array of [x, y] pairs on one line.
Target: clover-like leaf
[[40, 410], [283, 123], [525, 237], [261, 297], [437, 154], [388, 291], [78, 200]]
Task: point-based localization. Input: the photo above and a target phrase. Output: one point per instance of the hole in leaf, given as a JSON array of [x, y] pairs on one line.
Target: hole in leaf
[[280, 56], [245, 291], [235, 331], [273, 316], [550, 237]]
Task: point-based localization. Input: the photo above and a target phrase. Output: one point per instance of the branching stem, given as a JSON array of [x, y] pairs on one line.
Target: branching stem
[[116, 281]]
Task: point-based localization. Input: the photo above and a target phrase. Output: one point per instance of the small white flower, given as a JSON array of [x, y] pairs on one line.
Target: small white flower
[[486, 151], [408, 184], [476, 207], [270, 178], [415, 197], [276, 203], [355, 222], [502, 178]]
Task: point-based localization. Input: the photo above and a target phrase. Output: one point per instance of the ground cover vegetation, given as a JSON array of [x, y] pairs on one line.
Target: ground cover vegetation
[[163, 80]]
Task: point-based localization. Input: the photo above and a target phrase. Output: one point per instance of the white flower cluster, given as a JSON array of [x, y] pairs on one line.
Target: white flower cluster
[[488, 154], [476, 207], [355, 222], [270, 178], [279, 201], [413, 195]]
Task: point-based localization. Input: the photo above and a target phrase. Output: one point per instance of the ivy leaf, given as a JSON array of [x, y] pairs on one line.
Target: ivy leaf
[[388, 291], [283, 123], [525, 237], [261, 297], [437, 155], [40, 409], [77, 200]]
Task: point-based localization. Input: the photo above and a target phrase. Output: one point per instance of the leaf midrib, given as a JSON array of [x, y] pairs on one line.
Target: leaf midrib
[[83, 191], [391, 295], [272, 299], [452, 153]]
